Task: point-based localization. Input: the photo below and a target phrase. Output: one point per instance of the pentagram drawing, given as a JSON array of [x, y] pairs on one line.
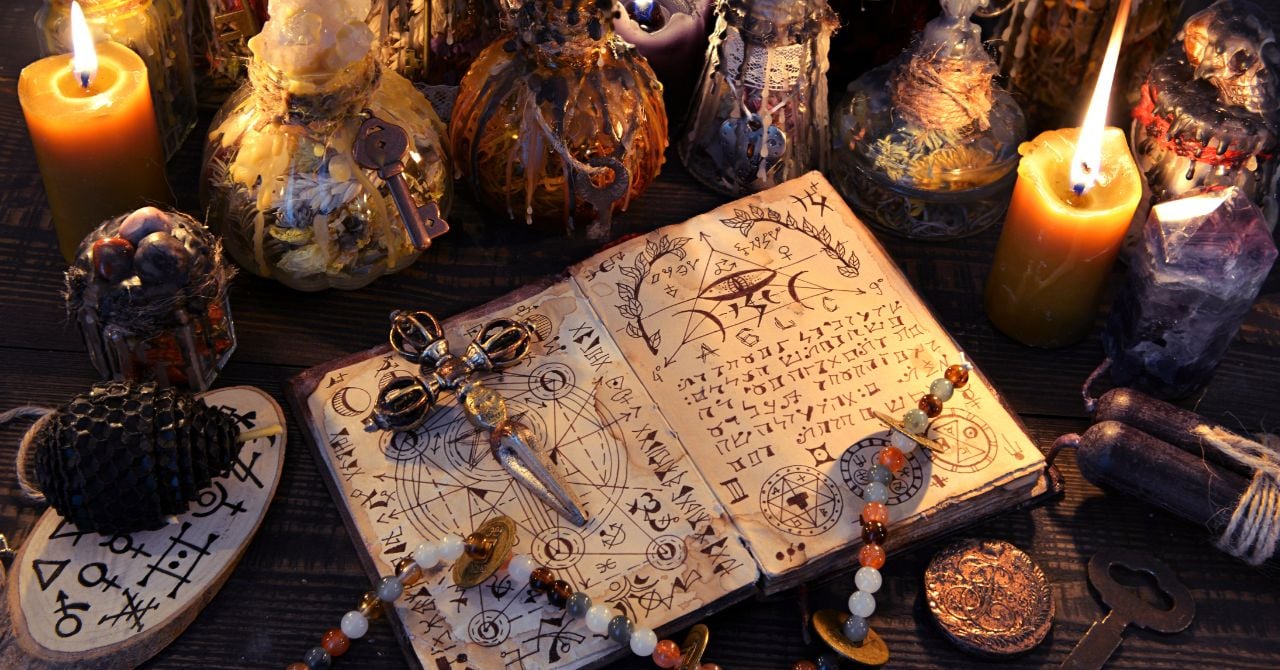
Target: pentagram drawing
[[855, 469], [970, 443], [801, 500]]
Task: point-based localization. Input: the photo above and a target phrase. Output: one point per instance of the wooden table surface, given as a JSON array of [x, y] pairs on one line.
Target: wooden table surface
[[301, 574]]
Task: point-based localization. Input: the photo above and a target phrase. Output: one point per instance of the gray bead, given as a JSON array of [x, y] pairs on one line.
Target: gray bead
[[880, 473], [855, 628], [620, 628], [875, 492], [578, 605], [828, 661], [317, 658], [389, 589]]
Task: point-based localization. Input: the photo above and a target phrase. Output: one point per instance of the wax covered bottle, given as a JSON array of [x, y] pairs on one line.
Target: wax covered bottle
[[760, 115], [561, 124], [282, 182]]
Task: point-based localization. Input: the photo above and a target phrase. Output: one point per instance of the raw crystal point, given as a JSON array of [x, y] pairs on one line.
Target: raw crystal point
[[1202, 263]]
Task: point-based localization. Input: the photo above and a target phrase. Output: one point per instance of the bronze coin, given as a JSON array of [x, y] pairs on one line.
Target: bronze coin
[[468, 572], [830, 626], [989, 598], [695, 645]]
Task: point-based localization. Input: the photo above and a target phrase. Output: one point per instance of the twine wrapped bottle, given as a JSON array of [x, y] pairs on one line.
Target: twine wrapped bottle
[[925, 146], [562, 124], [281, 183], [760, 115]]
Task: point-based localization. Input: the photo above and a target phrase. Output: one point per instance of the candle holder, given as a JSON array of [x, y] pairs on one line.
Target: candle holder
[[1053, 50], [1201, 261], [760, 115], [156, 30], [562, 123], [284, 181], [149, 290], [1208, 115], [925, 146]]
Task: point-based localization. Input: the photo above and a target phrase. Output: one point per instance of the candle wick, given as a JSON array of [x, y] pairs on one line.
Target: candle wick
[[85, 78], [1081, 187]]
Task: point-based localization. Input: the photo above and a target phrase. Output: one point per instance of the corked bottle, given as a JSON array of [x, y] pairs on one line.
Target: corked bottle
[[561, 124], [760, 116]]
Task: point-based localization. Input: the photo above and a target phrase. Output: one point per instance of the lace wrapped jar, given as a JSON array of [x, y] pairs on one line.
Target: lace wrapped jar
[[157, 31], [760, 116], [926, 146], [561, 124], [281, 182]]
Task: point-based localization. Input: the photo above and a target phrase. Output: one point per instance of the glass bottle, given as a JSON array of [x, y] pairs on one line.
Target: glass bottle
[[562, 123], [281, 182], [926, 145], [157, 31], [432, 43], [760, 114], [220, 33]]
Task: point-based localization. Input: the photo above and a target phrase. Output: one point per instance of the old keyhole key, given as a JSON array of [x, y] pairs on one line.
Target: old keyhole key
[[1127, 608], [381, 146]]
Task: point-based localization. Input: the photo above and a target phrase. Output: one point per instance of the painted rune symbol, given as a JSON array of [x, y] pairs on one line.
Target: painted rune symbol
[[179, 559], [132, 611]]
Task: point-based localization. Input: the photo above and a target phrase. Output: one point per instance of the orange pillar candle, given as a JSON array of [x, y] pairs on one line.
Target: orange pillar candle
[[1057, 247], [95, 137]]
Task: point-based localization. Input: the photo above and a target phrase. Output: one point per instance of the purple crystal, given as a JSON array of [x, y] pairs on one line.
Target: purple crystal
[[1202, 262]]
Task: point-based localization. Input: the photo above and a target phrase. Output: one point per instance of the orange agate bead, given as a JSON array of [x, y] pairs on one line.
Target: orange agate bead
[[957, 375], [666, 654], [874, 511], [891, 458], [804, 665], [931, 405], [297, 666], [871, 556], [335, 642]]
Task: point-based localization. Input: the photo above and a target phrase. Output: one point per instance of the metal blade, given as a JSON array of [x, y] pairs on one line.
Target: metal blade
[[519, 453]]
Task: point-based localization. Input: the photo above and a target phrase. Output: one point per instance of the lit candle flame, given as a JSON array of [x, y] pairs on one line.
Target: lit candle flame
[[643, 9], [84, 58], [1086, 163]]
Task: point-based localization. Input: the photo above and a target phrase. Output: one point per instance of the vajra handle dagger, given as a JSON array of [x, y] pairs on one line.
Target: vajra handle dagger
[[404, 403]]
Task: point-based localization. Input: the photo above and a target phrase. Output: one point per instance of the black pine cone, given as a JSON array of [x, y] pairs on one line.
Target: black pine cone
[[125, 456]]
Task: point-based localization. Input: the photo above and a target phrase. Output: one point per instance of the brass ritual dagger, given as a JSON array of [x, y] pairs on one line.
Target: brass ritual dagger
[[404, 403]]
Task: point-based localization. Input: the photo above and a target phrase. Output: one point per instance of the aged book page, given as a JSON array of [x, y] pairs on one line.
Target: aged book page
[[770, 329], [658, 546]]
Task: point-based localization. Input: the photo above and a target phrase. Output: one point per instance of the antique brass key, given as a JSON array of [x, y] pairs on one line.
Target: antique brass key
[[381, 146]]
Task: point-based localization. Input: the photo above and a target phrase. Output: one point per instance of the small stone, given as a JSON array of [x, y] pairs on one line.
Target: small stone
[[317, 658], [880, 473], [930, 404], [873, 511], [598, 618], [891, 458], [620, 628], [958, 375], [862, 604], [478, 547], [868, 579], [871, 555], [426, 555], [942, 388], [540, 579], [856, 628], [112, 258], [408, 571], [335, 642], [643, 641], [916, 421], [874, 532], [451, 548], [666, 654], [560, 593], [143, 222], [162, 260], [389, 589], [520, 568], [578, 605], [875, 492], [370, 606], [354, 625]]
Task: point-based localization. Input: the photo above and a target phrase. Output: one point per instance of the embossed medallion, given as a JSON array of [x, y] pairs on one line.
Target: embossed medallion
[[989, 597], [830, 626], [468, 572]]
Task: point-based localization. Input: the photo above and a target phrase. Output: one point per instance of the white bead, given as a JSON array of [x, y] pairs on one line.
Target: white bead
[[643, 641], [520, 568], [451, 547], [354, 625], [904, 444], [862, 604], [598, 618], [868, 579], [426, 555]]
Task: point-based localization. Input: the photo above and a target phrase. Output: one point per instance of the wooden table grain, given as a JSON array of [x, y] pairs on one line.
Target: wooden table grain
[[301, 572]]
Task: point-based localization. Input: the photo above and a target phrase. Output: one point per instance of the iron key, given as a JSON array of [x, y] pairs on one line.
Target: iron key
[[381, 146]]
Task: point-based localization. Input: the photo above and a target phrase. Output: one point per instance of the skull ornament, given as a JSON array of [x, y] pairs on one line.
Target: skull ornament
[[1232, 46]]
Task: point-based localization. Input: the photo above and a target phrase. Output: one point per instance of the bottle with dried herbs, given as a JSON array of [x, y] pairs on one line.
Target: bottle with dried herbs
[[281, 181], [432, 43], [561, 124], [157, 31], [925, 146], [760, 115]]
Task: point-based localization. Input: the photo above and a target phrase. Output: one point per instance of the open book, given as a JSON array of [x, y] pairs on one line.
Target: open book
[[707, 391]]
